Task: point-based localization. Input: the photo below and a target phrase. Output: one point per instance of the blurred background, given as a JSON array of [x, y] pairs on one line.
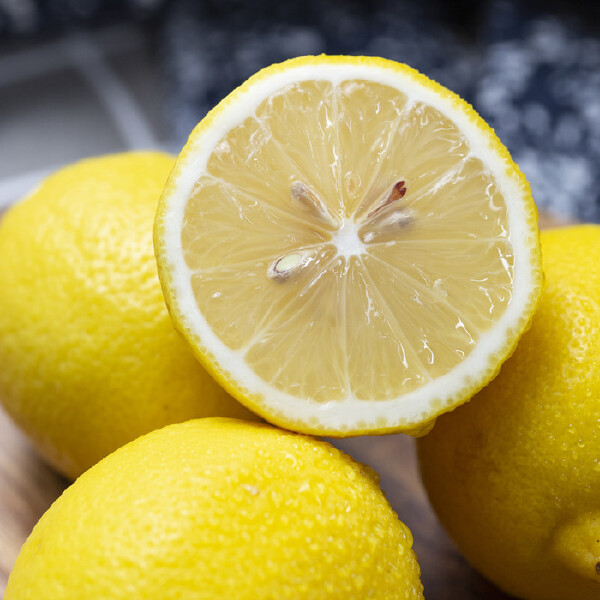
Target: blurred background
[[85, 77]]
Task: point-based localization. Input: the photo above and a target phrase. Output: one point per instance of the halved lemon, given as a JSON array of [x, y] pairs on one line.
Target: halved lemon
[[348, 247]]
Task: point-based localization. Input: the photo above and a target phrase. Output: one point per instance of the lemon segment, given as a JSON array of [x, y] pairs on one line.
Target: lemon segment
[[347, 246]]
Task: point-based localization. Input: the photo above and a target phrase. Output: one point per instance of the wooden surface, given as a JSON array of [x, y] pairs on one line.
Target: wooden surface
[[28, 487]]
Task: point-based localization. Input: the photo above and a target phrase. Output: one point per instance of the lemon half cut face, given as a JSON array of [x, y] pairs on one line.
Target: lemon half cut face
[[348, 247]]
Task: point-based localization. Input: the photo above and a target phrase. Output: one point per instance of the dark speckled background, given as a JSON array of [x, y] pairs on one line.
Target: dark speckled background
[[81, 77]]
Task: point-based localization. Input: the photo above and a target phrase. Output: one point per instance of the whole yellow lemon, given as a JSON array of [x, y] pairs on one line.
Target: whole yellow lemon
[[220, 509], [89, 359], [514, 475]]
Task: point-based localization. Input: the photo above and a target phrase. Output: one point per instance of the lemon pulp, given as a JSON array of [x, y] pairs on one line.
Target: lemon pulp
[[387, 289]]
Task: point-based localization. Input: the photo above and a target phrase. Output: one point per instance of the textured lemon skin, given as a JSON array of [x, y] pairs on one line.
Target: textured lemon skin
[[514, 476], [255, 401], [220, 508], [89, 357]]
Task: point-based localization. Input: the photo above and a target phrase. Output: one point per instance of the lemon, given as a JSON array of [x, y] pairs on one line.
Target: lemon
[[514, 476], [348, 247], [89, 357], [220, 508]]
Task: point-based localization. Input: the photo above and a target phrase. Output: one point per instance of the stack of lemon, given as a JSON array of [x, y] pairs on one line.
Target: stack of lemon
[[346, 248]]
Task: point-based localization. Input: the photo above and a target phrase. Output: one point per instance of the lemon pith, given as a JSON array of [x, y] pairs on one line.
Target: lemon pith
[[397, 306], [219, 508], [514, 475]]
